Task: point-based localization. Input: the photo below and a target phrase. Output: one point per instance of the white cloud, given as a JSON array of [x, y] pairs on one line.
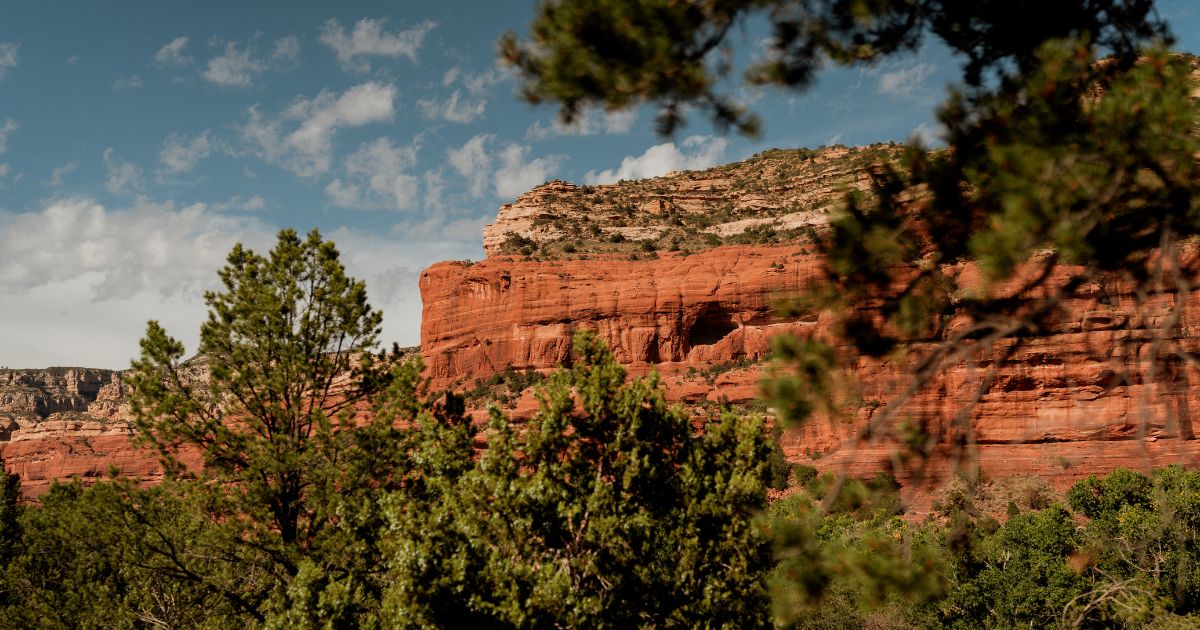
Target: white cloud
[[254, 203], [146, 247], [287, 50], [6, 130], [377, 177], [8, 57], [587, 123], [59, 172], [122, 175], [435, 186], [307, 149], [518, 173], [660, 159], [477, 84], [75, 267], [172, 53], [370, 39], [472, 161], [929, 135], [124, 82], [391, 265], [454, 109], [180, 153], [233, 67], [905, 80], [240, 67]]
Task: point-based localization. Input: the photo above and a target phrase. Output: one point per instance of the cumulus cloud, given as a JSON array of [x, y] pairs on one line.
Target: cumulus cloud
[[171, 54], [477, 83], [8, 57], [456, 108], [377, 177], [180, 153], [129, 82], [698, 152], [286, 51], [587, 123], [75, 267], [905, 80], [391, 264], [518, 173], [930, 135], [60, 172], [472, 161], [435, 187], [240, 67], [6, 130], [122, 175], [78, 280], [370, 39], [146, 247], [301, 138]]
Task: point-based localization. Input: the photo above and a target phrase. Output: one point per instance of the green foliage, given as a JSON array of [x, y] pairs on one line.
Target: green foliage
[[503, 387], [114, 556], [1020, 576], [605, 510], [1142, 536], [10, 530], [614, 54], [288, 477]]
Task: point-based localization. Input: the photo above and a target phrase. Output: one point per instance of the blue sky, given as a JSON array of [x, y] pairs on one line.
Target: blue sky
[[140, 140]]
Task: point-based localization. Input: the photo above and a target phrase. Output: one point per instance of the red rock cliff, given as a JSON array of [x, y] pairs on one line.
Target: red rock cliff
[[1080, 399]]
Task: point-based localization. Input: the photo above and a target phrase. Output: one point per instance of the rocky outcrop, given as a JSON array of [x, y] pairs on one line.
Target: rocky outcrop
[[772, 197], [57, 423], [1092, 392], [1082, 398], [678, 310]]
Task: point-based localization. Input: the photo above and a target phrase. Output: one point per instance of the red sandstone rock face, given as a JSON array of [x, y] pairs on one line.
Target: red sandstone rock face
[[1075, 401], [678, 310], [65, 422]]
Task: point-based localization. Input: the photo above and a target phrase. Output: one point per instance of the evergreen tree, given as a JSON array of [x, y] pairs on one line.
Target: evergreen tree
[[606, 510], [285, 360]]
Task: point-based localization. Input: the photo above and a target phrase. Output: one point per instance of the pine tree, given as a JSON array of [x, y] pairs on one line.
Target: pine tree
[[285, 360]]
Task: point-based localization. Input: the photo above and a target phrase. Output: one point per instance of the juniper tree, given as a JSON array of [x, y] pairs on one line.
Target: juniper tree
[[606, 509]]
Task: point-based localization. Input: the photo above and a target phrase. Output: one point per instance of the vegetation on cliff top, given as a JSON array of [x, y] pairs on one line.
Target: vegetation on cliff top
[[776, 196]]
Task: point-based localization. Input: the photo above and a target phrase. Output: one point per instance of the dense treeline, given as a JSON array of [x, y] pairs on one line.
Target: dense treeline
[[678, 541], [606, 509], [1117, 551]]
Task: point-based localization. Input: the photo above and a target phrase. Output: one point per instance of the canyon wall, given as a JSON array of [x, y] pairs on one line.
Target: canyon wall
[[58, 423], [1090, 393]]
